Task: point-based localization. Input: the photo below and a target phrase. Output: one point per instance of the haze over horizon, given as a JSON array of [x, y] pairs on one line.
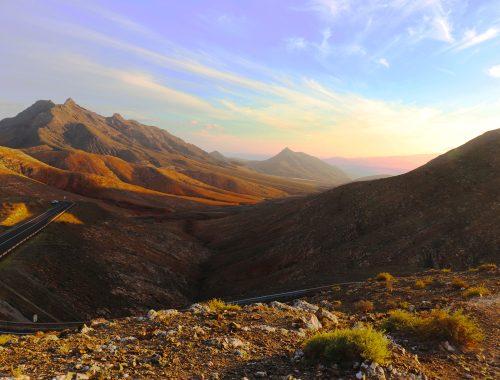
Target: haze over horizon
[[326, 77]]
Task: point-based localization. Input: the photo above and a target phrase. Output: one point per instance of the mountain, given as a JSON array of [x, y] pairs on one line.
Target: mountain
[[370, 166], [126, 162], [69, 126], [445, 213], [298, 165]]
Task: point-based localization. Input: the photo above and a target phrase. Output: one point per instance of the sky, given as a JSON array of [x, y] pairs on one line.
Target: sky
[[352, 78]]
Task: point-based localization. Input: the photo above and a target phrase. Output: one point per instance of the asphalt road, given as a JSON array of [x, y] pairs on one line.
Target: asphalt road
[[23, 231]]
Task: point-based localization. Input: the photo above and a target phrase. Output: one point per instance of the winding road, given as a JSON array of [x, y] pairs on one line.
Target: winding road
[[22, 232]]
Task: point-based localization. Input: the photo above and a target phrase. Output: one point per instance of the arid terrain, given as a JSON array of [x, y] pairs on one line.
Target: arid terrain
[[218, 341]]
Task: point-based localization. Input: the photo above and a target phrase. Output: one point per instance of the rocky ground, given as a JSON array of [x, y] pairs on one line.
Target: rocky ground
[[266, 340]]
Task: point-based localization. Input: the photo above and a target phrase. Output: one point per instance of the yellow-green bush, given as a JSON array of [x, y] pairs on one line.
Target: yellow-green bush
[[4, 339], [420, 284], [476, 291], [384, 277], [345, 346], [217, 305], [455, 327]]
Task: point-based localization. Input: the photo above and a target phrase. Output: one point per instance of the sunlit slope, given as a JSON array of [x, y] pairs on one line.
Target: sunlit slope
[[95, 186]]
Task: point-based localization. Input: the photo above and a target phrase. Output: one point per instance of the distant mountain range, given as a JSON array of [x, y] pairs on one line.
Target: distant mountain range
[[299, 165], [374, 166]]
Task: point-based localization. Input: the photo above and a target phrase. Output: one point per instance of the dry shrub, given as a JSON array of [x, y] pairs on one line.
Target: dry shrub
[[438, 324], [476, 291], [364, 306], [459, 283], [345, 346], [420, 284], [488, 267], [384, 277], [217, 305]]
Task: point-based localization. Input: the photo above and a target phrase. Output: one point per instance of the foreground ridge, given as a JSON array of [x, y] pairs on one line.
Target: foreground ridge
[[218, 340]]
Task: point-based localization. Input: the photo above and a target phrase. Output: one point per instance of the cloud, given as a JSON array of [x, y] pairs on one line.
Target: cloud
[[494, 71], [295, 43], [384, 62], [471, 38]]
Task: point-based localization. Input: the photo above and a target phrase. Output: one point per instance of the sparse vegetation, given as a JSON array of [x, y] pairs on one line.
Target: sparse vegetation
[[459, 283], [364, 306], [217, 305], [4, 339], [488, 267], [439, 324], [345, 346], [384, 277], [476, 291], [420, 284]]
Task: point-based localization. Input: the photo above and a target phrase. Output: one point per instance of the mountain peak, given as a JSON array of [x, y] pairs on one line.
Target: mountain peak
[[69, 102], [118, 117]]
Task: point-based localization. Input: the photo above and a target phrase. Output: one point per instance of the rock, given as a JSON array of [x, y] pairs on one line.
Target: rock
[[128, 339], [298, 355], [306, 306], [325, 314], [266, 328], [161, 314], [360, 375], [152, 315], [311, 322], [260, 374], [448, 347], [198, 308], [85, 329], [281, 306]]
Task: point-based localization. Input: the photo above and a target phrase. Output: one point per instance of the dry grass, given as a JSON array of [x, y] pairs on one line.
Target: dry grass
[[346, 346], [384, 277], [364, 306], [420, 284], [217, 305], [4, 339], [476, 291], [489, 267], [438, 324], [459, 283]]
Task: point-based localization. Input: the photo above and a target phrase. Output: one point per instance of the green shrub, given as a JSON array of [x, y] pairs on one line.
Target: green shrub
[[476, 291], [364, 306], [345, 346], [489, 267], [217, 305], [439, 324]]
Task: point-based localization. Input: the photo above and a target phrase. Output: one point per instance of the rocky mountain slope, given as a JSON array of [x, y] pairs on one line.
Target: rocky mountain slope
[[298, 165], [116, 159], [220, 341], [445, 213]]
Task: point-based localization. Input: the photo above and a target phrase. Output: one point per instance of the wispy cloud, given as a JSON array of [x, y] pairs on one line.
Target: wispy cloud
[[384, 62], [494, 71], [472, 38], [295, 43]]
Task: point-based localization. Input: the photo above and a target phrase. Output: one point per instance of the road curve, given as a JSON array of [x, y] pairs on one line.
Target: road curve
[[22, 232]]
